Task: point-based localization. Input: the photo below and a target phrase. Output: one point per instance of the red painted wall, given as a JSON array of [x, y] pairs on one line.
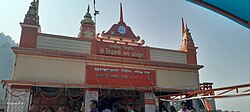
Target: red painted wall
[[191, 56], [28, 37]]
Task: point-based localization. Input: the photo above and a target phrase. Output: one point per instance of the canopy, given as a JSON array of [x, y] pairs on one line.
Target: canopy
[[236, 10]]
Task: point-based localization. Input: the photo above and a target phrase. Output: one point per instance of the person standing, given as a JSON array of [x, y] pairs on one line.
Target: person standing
[[131, 107], [183, 107], [115, 107], [164, 107], [192, 109], [107, 107], [172, 109], [93, 106], [82, 107]]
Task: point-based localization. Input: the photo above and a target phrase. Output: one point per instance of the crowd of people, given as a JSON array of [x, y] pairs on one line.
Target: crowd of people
[[93, 108], [184, 108], [115, 108]]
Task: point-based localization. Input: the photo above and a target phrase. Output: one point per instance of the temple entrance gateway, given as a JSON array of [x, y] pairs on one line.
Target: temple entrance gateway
[[72, 98], [121, 97]]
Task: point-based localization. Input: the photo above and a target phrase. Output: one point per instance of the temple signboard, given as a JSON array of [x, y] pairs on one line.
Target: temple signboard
[[121, 50], [120, 76]]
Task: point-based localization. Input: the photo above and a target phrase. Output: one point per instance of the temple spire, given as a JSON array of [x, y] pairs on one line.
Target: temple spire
[[88, 9], [188, 45], [184, 36], [87, 18], [31, 16], [187, 40], [87, 29], [183, 28], [121, 15]]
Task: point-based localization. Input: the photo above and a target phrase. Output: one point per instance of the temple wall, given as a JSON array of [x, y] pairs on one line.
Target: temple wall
[[177, 79], [62, 70], [164, 55], [62, 44], [48, 69]]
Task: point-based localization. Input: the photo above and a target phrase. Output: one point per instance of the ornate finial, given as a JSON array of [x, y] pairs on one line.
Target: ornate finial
[[142, 42], [182, 23], [33, 8], [87, 18], [32, 15], [88, 9], [121, 15], [33, 3]]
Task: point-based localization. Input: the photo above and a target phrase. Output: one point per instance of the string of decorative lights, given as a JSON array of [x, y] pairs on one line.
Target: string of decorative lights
[[50, 93], [79, 96], [50, 98], [17, 95]]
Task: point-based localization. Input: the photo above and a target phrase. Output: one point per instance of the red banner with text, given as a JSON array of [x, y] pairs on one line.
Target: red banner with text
[[120, 76]]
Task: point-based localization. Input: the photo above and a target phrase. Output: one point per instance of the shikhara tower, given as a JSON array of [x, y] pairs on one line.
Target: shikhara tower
[[87, 29], [188, 45]]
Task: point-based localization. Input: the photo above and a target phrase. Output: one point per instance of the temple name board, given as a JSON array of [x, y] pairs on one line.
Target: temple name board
[[104, 75], [120, 50]]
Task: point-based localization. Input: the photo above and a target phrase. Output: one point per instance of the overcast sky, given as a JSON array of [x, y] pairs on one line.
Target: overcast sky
[[223, 44]]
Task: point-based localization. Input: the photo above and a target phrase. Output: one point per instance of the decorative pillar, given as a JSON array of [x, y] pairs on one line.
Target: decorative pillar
[[149, 102], [90, 94], [30, 27], [18, 98]]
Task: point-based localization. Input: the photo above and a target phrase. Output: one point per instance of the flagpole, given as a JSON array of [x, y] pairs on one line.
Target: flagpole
[[94, 14]]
